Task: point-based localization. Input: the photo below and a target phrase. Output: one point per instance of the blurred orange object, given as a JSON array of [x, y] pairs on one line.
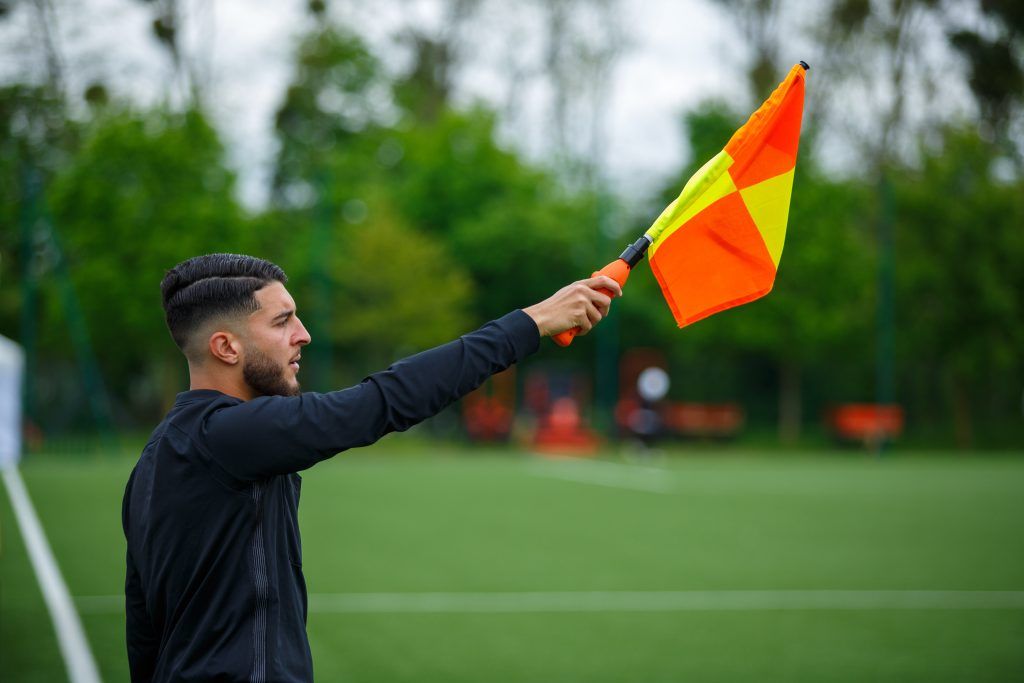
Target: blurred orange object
[[489, 412], [870, 423], [562, 431], [486, 418], [705, 420]]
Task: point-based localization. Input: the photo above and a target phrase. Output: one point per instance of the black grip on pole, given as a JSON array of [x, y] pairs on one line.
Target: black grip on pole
[[635, 252]]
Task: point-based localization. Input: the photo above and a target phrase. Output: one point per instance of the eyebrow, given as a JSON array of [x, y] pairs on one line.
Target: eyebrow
[[284, 315]]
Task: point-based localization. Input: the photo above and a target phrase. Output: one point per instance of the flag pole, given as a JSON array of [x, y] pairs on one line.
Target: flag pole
[[620, 268], [617, 270]]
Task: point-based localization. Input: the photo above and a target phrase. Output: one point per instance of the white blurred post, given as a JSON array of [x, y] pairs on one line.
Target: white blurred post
[[12, 364], [78, 659]]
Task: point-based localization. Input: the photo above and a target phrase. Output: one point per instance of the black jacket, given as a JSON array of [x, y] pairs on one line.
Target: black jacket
[[214, 588]]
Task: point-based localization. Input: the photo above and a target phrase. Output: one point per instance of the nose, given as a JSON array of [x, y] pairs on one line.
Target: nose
[[302, 336]]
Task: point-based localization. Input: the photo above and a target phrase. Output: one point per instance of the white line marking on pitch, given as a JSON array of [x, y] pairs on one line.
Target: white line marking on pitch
[[71, 638], [635, 601], [602, 473]]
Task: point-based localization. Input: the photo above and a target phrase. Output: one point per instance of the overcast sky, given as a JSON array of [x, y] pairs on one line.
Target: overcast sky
[[678, 53]]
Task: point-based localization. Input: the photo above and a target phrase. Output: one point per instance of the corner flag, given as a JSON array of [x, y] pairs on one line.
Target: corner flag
[[719, 243]]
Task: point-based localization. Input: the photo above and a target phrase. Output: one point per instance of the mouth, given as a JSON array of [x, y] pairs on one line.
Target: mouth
[[294, 363]]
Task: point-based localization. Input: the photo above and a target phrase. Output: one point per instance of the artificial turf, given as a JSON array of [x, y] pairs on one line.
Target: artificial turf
[[449, 521]]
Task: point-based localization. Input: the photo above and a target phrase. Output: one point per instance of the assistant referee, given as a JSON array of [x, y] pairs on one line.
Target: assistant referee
[[214, 589]]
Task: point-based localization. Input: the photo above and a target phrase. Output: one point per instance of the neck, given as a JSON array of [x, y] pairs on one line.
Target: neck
[[230, 384]]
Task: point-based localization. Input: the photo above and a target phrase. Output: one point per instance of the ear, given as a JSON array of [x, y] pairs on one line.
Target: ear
[[225, 347]]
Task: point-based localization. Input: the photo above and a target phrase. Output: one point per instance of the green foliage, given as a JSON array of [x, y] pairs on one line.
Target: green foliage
[[398, 291], [402, 223], [512, 227], [996, 61], [144, 192], [850, 15], [821, 307], [447, 191], [997, 74], [822, 295], [960, 284], [327, 105], [35, 138], [453, 169], [423, 93]]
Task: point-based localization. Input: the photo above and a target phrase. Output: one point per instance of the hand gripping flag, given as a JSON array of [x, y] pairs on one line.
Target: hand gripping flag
[[719, 243]]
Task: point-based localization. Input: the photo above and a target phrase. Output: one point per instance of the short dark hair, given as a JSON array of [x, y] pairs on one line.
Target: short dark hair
[[213, 285]]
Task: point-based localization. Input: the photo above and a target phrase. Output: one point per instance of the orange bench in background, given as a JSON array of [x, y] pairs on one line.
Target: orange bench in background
[[704, 420], [868, 423], [691, 420]]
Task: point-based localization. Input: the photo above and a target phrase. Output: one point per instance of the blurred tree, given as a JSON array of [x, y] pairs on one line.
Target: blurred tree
[[168, 28], [326, 129], [583, 41], [328, 105], [995, 59], [145, 191], [505, 221], [46, 30], [441, 180], [646, 319], [451, 170], [880, 57], [400, 291], [818, 314], [898, 43], [424, 91], [35, 139], [821, 300], [961, 248], [337, 192], [758, 21]]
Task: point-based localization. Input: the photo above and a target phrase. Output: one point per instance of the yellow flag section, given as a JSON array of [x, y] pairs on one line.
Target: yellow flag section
[[719, 243]]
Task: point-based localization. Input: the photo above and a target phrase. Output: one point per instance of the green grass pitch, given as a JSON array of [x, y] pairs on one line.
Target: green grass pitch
[[503, 567]]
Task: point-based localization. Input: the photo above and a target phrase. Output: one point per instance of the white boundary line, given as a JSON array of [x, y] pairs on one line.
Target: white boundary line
[[78, 659], [602, 473], [634, 601]]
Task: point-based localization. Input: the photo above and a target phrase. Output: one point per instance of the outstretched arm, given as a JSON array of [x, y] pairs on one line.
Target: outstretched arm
[[277, 434]]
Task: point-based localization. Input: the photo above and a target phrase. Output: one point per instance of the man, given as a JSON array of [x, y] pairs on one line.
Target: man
[[214, 587]]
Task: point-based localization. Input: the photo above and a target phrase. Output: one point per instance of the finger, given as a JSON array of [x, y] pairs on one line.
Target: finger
[[599, 298], [594, 315], [585, 323], [604, 282], [600, 301]]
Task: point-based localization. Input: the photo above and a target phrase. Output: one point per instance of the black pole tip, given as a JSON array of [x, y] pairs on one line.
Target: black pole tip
[[805, 65]]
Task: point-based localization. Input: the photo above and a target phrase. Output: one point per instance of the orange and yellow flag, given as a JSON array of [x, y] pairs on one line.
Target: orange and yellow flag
[[719, 243]]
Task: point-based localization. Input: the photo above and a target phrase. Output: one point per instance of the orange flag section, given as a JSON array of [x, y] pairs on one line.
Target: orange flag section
[[717, 262], [719, 243]]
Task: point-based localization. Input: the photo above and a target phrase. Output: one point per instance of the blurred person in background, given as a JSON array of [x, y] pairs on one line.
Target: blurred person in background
[[214, 586]]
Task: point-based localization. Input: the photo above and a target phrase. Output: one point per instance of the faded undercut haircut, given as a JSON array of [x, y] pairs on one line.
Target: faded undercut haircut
[[212, 286]]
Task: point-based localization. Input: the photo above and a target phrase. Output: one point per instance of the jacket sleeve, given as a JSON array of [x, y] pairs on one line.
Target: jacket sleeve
[[141, 637], [277, 434]]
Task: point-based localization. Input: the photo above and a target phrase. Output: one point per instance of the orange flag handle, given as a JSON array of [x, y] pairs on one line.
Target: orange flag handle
[[617, 270]]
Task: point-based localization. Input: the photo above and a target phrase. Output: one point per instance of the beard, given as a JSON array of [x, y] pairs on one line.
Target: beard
[[265, 377]]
